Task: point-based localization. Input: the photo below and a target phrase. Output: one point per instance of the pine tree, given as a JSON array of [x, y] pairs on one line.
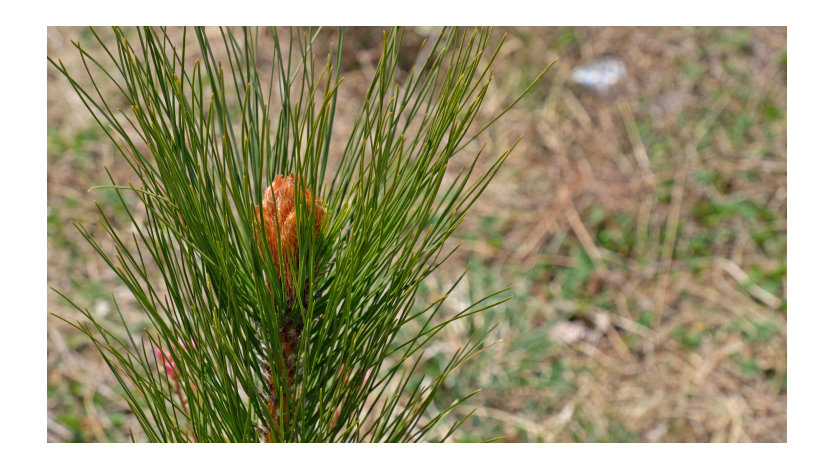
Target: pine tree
[[277, 284]]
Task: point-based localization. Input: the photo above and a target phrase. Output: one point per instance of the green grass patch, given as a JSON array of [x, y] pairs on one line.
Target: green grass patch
[[689, 338]]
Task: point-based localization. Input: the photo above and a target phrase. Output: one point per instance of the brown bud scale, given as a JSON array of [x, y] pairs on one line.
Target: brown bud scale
[[279, 213]]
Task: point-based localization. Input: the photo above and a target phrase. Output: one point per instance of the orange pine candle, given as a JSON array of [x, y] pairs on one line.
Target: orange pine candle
[[279, 214]]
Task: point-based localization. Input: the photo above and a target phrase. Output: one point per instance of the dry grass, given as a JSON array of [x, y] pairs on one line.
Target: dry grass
[[644, 233]]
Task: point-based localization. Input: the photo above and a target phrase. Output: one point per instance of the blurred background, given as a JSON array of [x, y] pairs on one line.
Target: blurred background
[[641, 222]]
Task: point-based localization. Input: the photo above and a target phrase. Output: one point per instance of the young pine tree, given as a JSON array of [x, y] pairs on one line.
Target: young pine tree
[[278, 282]]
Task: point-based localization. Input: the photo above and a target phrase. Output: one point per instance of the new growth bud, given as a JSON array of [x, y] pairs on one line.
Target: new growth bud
[[279, 223]]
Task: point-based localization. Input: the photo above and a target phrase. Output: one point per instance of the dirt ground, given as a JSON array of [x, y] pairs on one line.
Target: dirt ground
[[643, 231]]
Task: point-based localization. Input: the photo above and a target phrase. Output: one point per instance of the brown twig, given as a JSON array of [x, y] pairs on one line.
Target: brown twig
[[579, 229]]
